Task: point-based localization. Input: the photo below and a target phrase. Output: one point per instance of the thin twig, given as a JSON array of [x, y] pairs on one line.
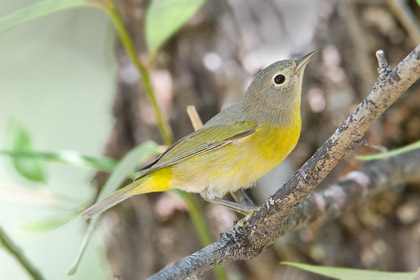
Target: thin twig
[[379, 148], [15, 251], [407, 18], [194, 117], [266, 225]]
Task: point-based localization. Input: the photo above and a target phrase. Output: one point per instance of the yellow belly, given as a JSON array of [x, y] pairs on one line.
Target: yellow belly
[[235, 165]]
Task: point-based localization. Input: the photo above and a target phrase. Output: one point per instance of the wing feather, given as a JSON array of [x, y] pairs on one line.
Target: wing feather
[[201, 141]]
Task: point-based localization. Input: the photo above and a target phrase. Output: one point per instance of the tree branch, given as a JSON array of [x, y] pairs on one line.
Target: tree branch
[[271, 220], [354, 188]]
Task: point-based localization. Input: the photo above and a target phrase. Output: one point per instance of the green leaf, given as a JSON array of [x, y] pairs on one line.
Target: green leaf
[[405, 149], [66, 157], [41, 8], [123, 170], [418, 2], [48, 224], [353, 274], [19, 140], [164, 18]]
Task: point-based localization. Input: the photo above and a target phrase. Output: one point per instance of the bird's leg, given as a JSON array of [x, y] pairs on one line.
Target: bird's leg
[[237, 207], [242, 197]]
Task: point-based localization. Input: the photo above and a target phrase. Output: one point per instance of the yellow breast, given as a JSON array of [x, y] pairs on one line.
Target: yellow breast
[[237, 165], [268, 147], [275, 143]]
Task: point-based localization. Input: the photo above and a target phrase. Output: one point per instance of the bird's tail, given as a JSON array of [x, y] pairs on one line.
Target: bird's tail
[[144, 185]]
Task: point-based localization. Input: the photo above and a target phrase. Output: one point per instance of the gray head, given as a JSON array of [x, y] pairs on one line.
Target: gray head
[[274, 94]]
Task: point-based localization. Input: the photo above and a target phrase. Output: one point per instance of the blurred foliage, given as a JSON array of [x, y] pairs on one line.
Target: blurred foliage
[[123, 170], [50, 223], [19, 141], [39, 9], [354, 274], [28, 163], [392, 153], [71, 158], [164, 18]]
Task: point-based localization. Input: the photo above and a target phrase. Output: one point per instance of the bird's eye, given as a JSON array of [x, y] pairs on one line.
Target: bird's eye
[[279, 79]]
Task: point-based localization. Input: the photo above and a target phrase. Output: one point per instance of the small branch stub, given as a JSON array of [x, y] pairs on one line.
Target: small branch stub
[[383, 68]]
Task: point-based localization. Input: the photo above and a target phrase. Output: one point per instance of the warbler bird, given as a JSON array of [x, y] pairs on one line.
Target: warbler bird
[[234, 148]]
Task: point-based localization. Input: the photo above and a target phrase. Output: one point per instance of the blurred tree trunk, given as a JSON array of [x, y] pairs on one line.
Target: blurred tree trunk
[[207, 64]]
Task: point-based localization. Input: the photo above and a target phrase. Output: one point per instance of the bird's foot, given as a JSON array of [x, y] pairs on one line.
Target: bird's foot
[[239, 224]]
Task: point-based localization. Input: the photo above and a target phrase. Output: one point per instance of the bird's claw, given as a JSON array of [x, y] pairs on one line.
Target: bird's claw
[[239, 224]]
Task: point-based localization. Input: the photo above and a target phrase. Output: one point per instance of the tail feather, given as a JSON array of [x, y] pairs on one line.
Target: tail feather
[[110, 201], [159, 182]]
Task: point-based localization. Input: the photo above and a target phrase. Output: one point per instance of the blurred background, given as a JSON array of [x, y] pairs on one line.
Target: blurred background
[[69, 82], [57, 79]]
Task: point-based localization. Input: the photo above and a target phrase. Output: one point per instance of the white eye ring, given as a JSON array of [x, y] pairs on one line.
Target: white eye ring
[[279, 79]]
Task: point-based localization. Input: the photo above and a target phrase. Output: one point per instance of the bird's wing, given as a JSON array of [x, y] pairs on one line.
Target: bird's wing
[[201, 141]]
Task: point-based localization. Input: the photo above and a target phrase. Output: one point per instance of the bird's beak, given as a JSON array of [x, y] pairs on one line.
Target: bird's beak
[[303, 61]]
